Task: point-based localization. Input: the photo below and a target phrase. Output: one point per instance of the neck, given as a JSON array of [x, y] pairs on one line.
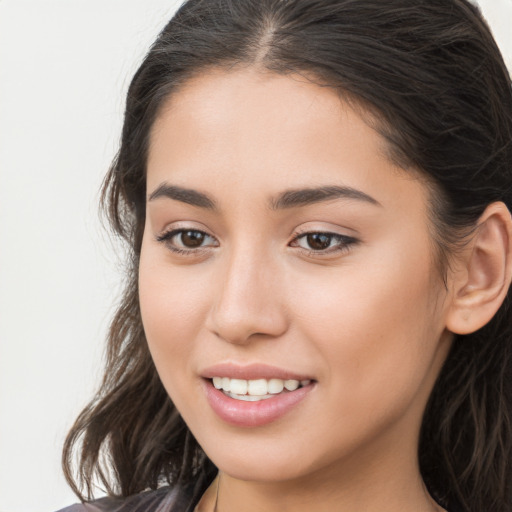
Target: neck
[[242, 496], [376, 489]]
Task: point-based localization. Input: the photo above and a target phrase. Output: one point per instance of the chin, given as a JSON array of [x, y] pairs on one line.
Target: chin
[[260, 471], [261, 466]]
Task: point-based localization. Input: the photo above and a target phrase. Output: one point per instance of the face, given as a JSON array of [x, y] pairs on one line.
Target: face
[[283, 248]]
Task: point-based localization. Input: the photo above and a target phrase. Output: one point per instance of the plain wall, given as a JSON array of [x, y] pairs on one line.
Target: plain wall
[[64, 69]]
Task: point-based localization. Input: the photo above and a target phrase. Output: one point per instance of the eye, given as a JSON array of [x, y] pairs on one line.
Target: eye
[[187, 240], [319, 242]]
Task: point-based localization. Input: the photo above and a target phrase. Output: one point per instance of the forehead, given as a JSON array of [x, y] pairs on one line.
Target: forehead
[[229, 95], [248, 103], [267, 131]]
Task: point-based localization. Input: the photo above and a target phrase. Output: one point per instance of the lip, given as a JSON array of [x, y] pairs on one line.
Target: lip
[[251, 372], [253, 414]]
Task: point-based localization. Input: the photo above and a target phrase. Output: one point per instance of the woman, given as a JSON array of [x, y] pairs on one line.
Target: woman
[[316, 195]]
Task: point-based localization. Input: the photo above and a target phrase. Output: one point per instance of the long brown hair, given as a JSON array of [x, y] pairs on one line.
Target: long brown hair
[[432, 76]]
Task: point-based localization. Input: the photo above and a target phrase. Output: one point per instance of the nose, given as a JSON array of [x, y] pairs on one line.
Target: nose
[[249, 299]]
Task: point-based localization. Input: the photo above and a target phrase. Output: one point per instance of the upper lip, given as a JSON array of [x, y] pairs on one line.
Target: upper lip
[[251, 372]]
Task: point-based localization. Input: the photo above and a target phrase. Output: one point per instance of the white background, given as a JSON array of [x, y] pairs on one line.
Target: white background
[[64, 69]]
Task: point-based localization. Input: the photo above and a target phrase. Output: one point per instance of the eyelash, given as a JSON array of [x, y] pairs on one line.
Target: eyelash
[[343, 244], [167, 238]]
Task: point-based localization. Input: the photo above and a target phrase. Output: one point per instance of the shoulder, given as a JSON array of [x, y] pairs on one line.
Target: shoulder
[[178, 498], [80, 507], [161, 500]]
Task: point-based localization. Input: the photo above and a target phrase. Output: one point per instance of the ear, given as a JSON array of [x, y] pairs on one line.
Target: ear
[[482, 276]]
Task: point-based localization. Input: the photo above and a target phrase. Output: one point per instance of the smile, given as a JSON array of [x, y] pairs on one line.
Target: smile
[[257, 389], [271, 400]]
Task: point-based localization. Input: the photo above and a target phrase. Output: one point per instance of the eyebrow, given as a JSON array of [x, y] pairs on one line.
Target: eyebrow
[[287, 199], [185, 195], [307, 196]]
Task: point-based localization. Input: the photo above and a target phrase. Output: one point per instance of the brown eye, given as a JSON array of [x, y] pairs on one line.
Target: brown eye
[[318, 241], [192, 239], [187, 240], [323, 243]]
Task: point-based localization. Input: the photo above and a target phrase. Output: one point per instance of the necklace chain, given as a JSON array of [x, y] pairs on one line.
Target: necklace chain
[[217, 494]]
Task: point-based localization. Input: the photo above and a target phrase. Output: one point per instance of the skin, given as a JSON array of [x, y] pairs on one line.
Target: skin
[[368, 321]]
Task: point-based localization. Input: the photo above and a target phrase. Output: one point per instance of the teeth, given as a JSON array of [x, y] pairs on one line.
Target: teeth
[[275, 386], [248, 398], [238, 387], [291, 385], [226, 384], [258, 388]]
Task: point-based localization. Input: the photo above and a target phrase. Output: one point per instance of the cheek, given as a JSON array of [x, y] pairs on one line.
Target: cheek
[[173, 307], [377, 328]]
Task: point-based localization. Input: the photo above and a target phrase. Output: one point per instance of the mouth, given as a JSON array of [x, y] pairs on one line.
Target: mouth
[[255, 390], [254, 395]]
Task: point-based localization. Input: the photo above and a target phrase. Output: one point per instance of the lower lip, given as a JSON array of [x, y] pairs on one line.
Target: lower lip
[[253, 414]]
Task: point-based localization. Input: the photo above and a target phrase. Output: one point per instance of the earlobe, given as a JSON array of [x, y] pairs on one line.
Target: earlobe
[[485, 273]]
